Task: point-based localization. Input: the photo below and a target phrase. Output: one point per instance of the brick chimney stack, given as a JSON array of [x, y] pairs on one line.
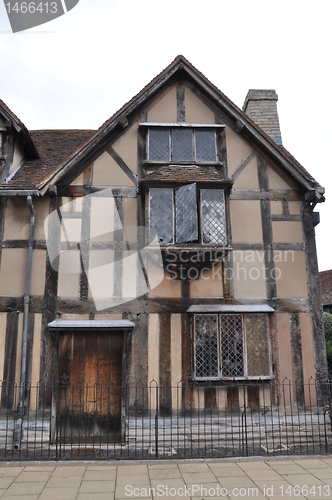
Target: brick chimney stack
[[261, 107]]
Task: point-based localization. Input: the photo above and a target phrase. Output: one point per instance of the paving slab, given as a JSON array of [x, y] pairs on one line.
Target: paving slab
[[24, 489], [98, 481], [58, 494], [100, 475], [97, 487]]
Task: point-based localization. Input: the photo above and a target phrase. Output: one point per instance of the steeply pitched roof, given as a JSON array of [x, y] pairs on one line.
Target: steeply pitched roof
[[54, 170], [326, 286], [20, 128]]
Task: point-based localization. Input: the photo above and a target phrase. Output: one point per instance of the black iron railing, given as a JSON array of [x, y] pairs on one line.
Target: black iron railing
[[189, 420]]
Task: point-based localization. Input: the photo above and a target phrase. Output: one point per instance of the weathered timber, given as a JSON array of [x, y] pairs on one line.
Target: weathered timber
[[85, 247], [137, 361], [123, 165], [239, 169], [9, 369], [186, 349], [271, 287], [248, 246], [286, 217], [228, 261], [221, 144], [264, 194], [285, 207], [3, 204], [118, 248], [315, 296], [8, 147], [180, 104], [165, 362], [297, 362], [123, 192], [38, 244], [174, 305], [293, 247], [85, 235], [49, 306]]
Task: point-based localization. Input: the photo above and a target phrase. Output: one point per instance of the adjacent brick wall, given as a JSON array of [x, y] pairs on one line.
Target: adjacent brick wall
[[261, 107]]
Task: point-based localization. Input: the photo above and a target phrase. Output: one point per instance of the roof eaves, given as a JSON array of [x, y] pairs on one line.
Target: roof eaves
[[20, 128]]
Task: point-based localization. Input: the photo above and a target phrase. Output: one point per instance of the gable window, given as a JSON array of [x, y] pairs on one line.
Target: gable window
[[182, 144], [187, 214], [231, 346]]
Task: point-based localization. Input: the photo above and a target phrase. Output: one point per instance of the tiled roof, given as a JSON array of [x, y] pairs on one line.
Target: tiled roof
[[190, 173], [326, 286], [54, 146]]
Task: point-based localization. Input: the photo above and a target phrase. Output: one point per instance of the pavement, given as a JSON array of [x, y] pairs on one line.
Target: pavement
[[275, 478]]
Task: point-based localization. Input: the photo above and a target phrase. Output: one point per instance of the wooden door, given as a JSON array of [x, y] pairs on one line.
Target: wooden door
[[90, 378]]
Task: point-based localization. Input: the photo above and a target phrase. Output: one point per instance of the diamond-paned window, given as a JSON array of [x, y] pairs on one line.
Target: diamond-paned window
[[159, 145], [182, 144], [231, 334], [205, 145], [213, 216], [206, 345], [175, 213], [182, 141], [231, 346], [161, 204], [186, 225], [257, 345]]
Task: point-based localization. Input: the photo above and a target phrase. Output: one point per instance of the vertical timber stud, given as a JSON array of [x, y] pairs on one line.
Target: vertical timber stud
[[186, 341], [315, 296], [180, 104], [49, 310], [141, 153], [165, 362], [3, 204], [271, 287], [8, 153], [7, 394], [296, 343], [118, 247], [85, 235]]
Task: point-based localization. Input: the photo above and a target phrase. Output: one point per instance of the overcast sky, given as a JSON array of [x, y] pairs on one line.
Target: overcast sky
[[77, 70]]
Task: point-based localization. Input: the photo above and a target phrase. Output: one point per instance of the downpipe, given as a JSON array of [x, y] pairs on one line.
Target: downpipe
[[23, 377]]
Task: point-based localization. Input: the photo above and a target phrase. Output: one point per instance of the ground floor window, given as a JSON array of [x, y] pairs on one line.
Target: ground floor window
[[231, 346]]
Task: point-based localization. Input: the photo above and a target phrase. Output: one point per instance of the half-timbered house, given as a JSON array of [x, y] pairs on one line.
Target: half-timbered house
[[173, 245]]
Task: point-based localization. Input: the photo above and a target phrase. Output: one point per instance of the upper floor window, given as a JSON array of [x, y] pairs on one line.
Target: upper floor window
[[187, 214], [182, 144], [231, 346]]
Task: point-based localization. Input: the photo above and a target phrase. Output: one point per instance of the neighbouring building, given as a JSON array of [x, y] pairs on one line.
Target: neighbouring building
[[326, 288], [175, 243]]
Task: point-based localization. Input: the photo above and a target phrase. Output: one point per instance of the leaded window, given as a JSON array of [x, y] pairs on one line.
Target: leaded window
[[182, 144], [187, 214], [231, 346]]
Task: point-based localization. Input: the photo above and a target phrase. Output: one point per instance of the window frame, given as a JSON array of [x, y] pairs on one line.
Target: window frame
[[220, 376], [219, 133], [200, 240]]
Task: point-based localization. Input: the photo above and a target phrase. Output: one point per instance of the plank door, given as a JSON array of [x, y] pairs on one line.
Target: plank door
[[90, 377]]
